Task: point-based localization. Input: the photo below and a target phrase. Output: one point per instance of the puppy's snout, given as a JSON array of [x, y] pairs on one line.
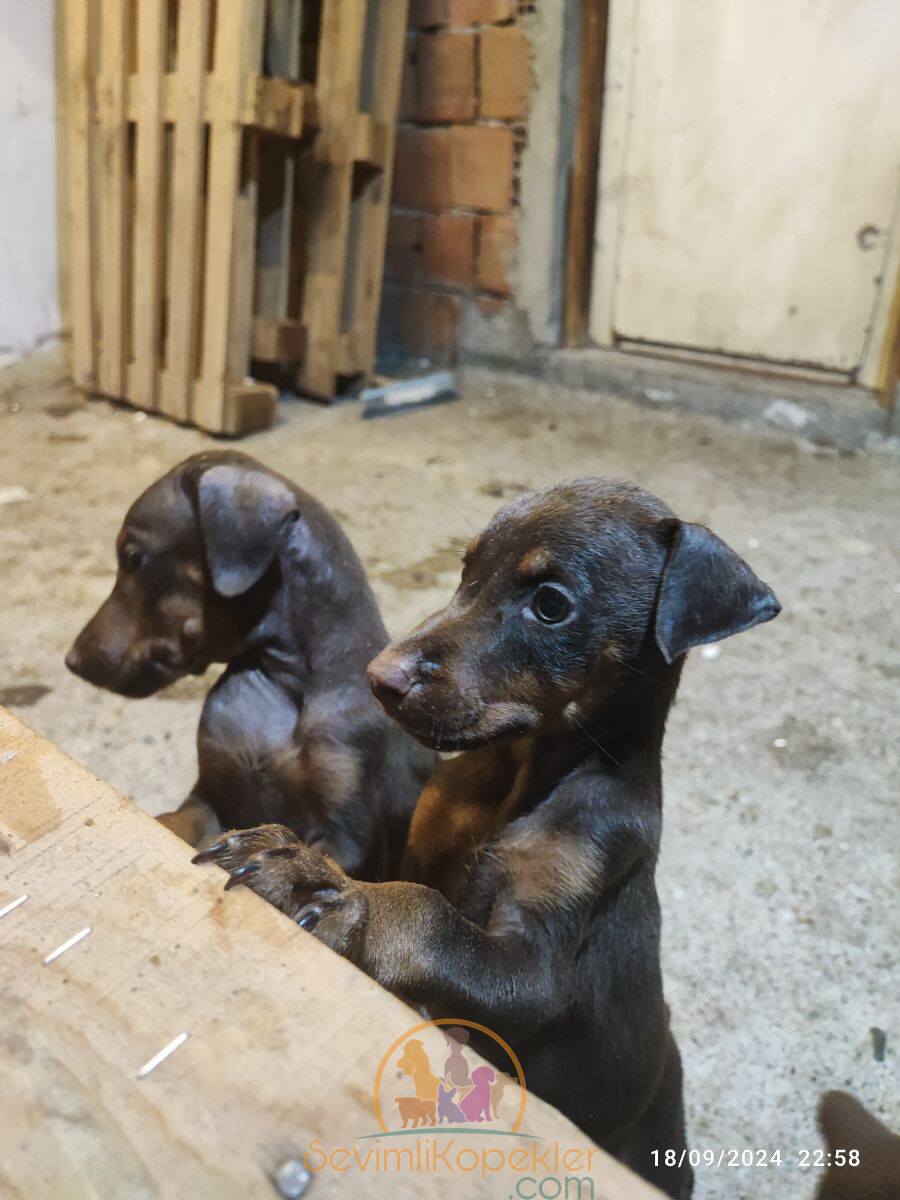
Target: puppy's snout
[[391, 676], [88, 662]]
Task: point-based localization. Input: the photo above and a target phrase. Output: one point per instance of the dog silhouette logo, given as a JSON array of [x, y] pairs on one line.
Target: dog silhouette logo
[[429, 1079]]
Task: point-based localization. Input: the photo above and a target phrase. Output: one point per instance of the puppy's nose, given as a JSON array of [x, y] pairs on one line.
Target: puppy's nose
[[391, 676], [73, 660]]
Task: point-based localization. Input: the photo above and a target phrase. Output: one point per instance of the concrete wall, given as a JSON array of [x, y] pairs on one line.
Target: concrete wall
[[29, 310]]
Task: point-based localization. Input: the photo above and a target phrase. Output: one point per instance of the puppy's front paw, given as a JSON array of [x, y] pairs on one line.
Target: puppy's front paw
[[300, 881]]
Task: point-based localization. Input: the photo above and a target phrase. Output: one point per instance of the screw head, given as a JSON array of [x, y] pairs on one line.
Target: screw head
[[292, 1179]]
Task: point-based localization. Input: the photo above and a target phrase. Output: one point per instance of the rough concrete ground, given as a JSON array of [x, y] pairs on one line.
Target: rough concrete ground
[[779, 873]]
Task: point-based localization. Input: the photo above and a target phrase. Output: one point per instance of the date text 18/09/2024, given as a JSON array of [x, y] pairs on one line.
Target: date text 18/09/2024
[[804, 1160]]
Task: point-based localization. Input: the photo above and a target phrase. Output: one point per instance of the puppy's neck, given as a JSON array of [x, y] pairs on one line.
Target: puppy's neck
[[627, 727], [620, 733]]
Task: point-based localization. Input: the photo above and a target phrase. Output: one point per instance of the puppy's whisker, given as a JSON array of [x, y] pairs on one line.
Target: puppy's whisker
[[591, 738], [453, 504]]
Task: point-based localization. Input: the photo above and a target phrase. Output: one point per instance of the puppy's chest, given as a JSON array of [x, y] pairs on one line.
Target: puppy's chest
[[491, 867]]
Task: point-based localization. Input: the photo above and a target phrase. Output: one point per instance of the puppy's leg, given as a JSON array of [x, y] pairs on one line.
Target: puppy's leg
[[405, 935], [195, 822], [661, 1129]]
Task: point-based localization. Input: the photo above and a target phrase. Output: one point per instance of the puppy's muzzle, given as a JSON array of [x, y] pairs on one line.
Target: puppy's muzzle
[[392, 677]]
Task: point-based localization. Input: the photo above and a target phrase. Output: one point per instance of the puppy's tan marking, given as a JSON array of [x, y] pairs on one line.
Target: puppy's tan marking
[[547, 869], [537, 561]]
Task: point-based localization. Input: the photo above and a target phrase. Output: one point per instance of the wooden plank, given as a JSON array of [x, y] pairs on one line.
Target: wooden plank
[[284, 1037], [148, 205], [230, 227], [278, 341], [272, 105], [279, 160], [78, 122], [184, 275], [253, 403], [63, 240], [113, 232], [328, 172], [371, 141], [375, 138], [582, 202]]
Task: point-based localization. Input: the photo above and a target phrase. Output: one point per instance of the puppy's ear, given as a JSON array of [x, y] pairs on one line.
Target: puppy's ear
[[241, 512], [707, 592]]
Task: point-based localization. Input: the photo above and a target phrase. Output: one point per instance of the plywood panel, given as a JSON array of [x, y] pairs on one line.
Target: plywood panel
[[284, 1036], [755, 201]]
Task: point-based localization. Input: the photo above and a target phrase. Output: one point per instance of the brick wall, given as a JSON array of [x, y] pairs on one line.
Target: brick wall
[[453, 233]]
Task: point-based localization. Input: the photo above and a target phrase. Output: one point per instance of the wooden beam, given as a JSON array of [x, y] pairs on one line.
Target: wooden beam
[[113, 183], [184, 274], [81, 248], [281, 341], [275, 106], [284, 1037], [374, 146], [582, 198], [149, 244]]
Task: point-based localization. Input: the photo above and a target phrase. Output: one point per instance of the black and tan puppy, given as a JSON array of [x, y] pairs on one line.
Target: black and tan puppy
[[528, 901], [222, 560]]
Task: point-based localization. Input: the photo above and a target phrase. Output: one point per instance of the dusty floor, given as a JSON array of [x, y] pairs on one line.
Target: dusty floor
[[779, 873]]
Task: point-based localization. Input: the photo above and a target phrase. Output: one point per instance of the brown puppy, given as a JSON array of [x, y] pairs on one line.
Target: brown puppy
[[222, 560], [529, 901]]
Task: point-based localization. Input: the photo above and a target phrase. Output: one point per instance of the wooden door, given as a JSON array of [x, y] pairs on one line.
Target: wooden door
[[750, 161]]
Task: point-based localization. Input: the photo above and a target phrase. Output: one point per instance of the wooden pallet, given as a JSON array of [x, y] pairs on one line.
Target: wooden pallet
[[207, 222], [324, 208]]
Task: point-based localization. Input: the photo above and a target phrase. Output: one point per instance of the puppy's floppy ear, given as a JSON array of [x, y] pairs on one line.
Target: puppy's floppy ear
[[707, 592], [241, 512]]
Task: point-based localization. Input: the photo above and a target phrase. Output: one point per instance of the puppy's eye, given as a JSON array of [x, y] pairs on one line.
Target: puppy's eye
[[552, 604], [131, 558]]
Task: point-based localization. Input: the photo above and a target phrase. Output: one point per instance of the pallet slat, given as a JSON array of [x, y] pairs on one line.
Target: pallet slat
[[113, 234], [326, 209], [78, 213], [376, 135], [148, 231], [187, 207]]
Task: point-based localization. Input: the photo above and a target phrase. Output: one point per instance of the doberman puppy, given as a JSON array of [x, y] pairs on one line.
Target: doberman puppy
[[222, 560], [528, 900]]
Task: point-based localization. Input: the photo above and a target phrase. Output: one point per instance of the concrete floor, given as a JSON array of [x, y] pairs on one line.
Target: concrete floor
[[779, 873]]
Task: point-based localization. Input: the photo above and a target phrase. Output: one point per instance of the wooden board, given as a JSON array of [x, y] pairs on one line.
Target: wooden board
[[326, 190], [188, 208], [79, 74], [147, 275], [284, 1040]]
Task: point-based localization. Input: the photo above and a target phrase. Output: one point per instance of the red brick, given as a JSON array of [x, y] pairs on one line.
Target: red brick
[[497, 241], [403, 256], [481, 167], [460, 167], [448, 249], [445, 77], [429, 14], [422, 169], [420, 322], [505, 73]]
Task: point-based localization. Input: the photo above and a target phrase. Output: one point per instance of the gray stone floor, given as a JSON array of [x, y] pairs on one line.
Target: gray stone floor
[[780, 867]]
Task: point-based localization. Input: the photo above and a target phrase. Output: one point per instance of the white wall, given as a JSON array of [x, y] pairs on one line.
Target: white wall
[[29, 310]]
